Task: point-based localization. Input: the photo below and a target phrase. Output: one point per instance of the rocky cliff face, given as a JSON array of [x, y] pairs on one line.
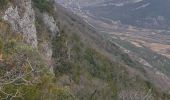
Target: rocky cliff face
[[51, 24], [21, 17]]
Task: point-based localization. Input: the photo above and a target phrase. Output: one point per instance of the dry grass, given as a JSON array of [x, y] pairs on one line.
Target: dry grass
[[158, 47]]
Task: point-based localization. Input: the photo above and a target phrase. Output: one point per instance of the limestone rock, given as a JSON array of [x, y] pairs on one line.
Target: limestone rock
[[51, 24], [20, 15], [47, 50]]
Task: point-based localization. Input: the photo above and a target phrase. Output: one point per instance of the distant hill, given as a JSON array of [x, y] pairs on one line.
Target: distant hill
[[141, 13]]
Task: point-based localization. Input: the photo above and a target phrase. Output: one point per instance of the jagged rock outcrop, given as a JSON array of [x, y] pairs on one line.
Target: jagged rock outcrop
[[21, 17], [47, 52], [51, 24], [54, 31]]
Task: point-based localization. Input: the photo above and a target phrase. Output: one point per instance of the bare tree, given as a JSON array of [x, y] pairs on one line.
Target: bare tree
[[15, 75]]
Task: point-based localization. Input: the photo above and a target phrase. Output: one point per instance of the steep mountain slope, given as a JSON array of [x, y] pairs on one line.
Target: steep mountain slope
[[149, 46], [69, 60]]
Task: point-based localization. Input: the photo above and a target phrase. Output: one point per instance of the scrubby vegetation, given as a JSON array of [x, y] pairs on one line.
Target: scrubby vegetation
[[23, 73], [81, 72], [25, 76], [84, 63], [43, 5], [3, 3]]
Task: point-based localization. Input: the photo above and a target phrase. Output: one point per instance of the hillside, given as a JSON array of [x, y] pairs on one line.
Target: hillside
[[152, 14], [49, 53], [145, 13], [148, 46]]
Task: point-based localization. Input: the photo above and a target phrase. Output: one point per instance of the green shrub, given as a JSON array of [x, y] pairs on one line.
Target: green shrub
[[3, 3], [43, 5], [60, 53], [1, 45]]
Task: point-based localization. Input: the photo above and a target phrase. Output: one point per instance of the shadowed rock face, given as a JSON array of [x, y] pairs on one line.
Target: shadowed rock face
[[21, 17]]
